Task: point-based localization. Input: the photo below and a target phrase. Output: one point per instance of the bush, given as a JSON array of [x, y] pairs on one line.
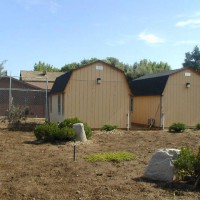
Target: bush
[[51, 132], [188, 166], [198, 126], [108, 127], [70, 121], [177, 127]]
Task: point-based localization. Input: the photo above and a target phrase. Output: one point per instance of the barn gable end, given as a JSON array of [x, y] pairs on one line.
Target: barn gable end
[[96, 93]]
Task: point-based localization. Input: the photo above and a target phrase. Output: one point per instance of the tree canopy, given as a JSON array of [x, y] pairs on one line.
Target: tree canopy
[[132, 71], [2, 71], [41, 66], [193, 59], [145, 67]]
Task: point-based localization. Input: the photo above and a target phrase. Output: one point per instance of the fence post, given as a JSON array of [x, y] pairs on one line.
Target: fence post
[[10, 93], [46, 106]]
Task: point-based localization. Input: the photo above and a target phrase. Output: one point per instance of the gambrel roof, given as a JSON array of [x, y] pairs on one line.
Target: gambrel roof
[[62, 81], [152, 84]]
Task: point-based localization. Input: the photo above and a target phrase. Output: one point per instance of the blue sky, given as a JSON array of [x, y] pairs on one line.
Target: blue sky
[[58, 32]]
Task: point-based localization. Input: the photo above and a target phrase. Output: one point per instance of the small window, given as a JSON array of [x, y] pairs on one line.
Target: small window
[[63, 104], [131, 104], [59, 104], [50, 104]]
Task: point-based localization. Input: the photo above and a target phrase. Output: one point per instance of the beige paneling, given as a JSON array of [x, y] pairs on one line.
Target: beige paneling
[[182, 104], [145, 108], [98, 104]]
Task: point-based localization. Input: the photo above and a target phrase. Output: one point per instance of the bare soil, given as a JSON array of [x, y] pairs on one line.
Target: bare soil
[[30, 170]]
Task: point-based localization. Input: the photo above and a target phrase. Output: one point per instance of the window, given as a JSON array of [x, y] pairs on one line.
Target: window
[[131, 104], [50, 104], [63, 103], [59, 104]]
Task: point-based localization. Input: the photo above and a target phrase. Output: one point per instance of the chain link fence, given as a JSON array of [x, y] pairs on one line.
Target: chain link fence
[[14, 92]]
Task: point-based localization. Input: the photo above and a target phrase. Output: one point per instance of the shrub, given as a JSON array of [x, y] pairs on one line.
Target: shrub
[[177, 127], [111, 156], [108, 127], [51, 132], [70, 121], [198, 126], [188, 165]]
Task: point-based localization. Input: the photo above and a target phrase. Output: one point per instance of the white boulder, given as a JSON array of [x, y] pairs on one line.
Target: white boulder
[[80, 132], [161, 167]]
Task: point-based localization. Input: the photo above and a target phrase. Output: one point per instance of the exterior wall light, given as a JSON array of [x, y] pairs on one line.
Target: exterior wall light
[[187, 85], [98, 80]]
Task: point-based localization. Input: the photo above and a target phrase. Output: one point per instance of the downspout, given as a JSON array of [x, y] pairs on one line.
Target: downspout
[[162, 119]]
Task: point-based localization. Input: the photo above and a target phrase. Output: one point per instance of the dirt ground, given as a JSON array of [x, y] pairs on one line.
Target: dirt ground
[[29, 170]]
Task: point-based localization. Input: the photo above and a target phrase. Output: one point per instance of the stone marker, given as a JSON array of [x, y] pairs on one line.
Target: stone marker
[[160, 166], [80, 132]]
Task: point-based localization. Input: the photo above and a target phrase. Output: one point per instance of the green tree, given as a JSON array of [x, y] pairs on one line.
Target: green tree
[[70, 66], [2, 71], [145, 67], [193, 59], [41, 66], [87, 61]]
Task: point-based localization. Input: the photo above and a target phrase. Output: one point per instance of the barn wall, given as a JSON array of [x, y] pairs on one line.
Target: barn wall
[[146, 107], [98, 104], [182, 104]]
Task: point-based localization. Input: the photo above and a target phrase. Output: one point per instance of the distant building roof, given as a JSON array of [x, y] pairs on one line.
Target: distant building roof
[[39, 75], [39, 78], [152, 84]]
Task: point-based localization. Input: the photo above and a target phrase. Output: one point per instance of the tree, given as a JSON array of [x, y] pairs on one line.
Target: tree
[[145, 67], [193, 59], [87, 61], [2, 71], [41, 66], [69, 67]]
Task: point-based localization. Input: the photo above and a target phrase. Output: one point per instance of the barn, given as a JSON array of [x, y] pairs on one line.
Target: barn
[[167, 97], [96, 93]]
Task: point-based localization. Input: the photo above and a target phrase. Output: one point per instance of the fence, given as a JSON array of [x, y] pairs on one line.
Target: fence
[[21, 94]]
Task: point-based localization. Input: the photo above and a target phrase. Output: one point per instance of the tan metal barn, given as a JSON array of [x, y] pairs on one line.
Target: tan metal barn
[[96, 93], [168, 97]]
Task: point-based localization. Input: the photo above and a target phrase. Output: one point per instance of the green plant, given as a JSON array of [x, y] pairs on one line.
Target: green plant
[[51, 132], [198, 126], [188, 165], [70, 121], [108, 127], [177, 127], [111, 156]]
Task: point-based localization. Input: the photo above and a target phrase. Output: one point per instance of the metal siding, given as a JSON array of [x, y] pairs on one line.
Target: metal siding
[[106, 103], [145, 108], [182, 104]]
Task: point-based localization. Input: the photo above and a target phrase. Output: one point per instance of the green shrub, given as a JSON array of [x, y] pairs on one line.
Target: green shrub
[[198, 126], [177, 127], [111, 156], [188, 165], [70, 121], [51, 132], [108, 127]]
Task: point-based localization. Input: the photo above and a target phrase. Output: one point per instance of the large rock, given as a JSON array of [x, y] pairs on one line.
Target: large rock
[[160, 166], [80, 132]]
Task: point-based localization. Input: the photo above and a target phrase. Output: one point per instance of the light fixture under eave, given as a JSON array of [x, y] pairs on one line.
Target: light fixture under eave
[[187, 85], [98, 80]]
